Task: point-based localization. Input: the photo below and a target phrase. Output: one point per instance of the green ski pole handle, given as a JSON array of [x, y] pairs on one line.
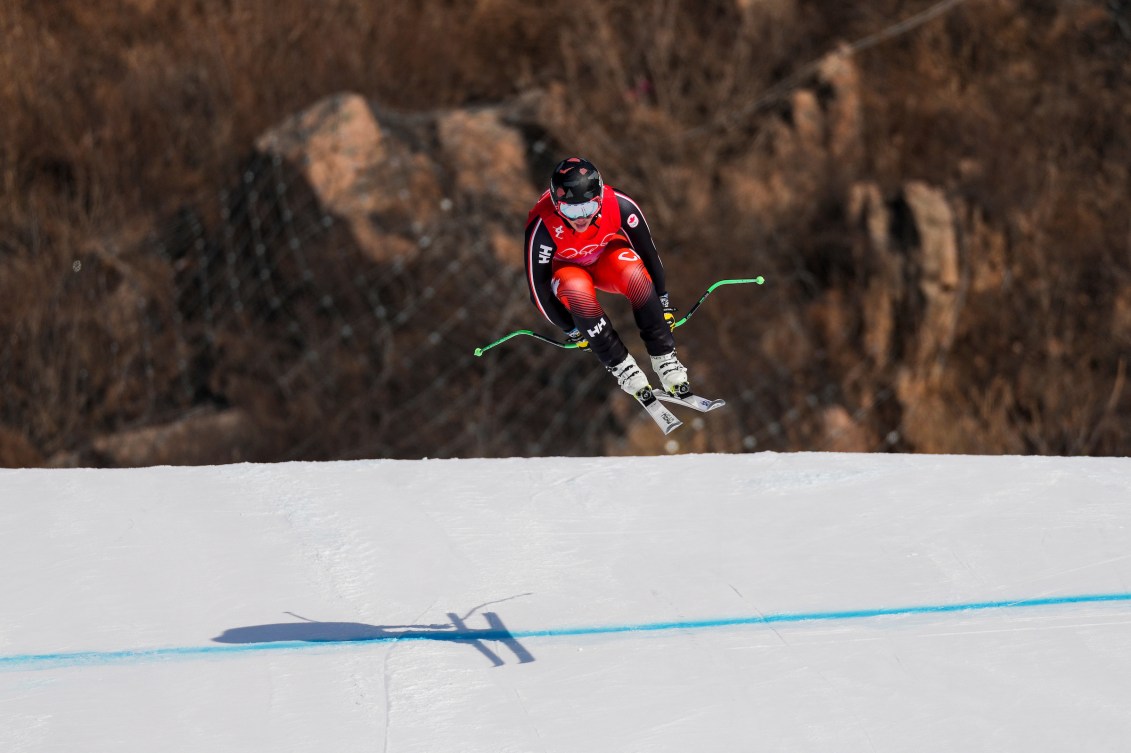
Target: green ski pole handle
[[571, 345]]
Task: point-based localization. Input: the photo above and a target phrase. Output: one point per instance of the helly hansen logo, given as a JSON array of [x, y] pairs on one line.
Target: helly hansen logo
[[545, 253], [598, 329]]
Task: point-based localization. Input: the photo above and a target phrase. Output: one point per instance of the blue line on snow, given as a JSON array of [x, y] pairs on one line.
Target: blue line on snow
[[132, 656]]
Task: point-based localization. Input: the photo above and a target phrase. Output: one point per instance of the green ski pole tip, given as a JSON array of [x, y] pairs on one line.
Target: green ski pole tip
[[479, 351], [759, 279]]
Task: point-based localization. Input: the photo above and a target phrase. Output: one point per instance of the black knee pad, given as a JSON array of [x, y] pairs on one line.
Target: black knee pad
[[603, 339]]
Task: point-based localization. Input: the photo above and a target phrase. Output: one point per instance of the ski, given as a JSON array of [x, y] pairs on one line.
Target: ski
[[691, 400], [664, 418]]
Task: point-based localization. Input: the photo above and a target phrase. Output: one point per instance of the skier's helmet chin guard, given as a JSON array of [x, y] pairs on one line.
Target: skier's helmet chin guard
[[575, 188]]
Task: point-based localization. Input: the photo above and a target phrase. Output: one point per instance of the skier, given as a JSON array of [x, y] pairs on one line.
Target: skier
[[583, 236]]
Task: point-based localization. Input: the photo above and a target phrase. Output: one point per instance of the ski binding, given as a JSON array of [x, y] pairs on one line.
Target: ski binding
[[664, 418]]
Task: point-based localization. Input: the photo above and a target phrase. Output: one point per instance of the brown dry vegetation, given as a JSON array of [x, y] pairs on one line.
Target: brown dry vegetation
[[115, 116]]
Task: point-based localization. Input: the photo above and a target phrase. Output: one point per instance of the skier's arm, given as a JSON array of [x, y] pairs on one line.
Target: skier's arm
[[539, 253], [635, 227]]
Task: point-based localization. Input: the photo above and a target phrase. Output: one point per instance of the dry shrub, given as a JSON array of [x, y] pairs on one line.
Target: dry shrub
[[1017, 114]]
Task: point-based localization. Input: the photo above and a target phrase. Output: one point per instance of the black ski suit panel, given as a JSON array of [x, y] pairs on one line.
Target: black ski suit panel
[[540, 273], [635, 228]]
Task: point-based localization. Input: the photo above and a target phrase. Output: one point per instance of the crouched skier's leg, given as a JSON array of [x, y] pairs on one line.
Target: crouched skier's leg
[[621, 270], [574, 287]]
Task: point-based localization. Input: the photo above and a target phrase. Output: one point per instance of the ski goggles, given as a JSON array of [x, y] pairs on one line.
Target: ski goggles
[[579, 211]]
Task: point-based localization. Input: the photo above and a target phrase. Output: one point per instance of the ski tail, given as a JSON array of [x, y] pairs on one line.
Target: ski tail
[[664, 418]]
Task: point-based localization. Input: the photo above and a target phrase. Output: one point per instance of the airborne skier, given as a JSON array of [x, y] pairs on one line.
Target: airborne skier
[[583, 236]]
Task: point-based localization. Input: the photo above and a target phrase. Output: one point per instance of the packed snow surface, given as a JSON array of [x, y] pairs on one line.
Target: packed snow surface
[[764, 602]]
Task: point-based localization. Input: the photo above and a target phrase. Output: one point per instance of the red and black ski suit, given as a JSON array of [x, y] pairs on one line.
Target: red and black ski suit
[[615, 254]]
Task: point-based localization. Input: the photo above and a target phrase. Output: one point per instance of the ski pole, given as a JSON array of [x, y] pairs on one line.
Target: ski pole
[[757, 280], [568, 345]]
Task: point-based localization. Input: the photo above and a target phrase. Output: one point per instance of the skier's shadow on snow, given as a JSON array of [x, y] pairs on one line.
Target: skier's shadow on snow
[[456, 631]]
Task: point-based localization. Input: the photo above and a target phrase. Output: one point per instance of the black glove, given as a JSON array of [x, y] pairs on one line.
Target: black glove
[[669, 311], [575, 337]]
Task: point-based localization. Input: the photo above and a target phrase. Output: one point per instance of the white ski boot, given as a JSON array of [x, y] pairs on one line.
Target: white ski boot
[[629, 376], [672, 373]]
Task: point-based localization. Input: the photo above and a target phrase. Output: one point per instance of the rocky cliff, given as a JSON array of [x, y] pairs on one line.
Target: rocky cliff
[[937, 195]]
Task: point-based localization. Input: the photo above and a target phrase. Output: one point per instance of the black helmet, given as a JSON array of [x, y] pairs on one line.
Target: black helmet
[[576, 181]]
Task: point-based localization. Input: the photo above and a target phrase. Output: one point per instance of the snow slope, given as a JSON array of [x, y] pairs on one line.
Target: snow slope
[[764, 602]]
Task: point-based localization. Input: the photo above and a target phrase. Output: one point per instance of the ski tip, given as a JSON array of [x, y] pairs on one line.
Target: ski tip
[[692, 400]]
